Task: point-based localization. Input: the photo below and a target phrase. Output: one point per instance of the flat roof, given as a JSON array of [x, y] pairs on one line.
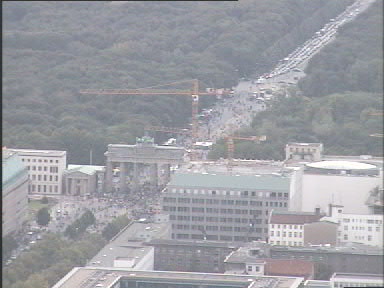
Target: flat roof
[[42, 153], [357, 276], [87, 169], [243, 182], [128, 244], [355, 248], [107, 276], [341, 165]]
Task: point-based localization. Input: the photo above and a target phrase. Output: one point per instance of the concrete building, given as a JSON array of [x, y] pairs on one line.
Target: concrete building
[[128, 250], [191, 255], [354, 258], [142, 163], [364, 229], [335, 182], [317, 284], [223, 207], [341, 280], [119, 278], [300, 152], [83, 179], [14, 192], [45, 170]]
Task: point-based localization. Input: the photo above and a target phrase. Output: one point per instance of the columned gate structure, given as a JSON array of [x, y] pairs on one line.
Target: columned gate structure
[[142, 163]]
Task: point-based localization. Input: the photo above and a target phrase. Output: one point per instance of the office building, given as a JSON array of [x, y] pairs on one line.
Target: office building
[[45, 170], [222, 206], [14, 192], [119, 278]]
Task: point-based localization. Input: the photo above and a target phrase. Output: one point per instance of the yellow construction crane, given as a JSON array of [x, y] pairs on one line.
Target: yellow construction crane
[[194, 93], [231, 146]]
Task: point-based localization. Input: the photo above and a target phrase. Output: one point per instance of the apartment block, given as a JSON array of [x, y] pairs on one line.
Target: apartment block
[[45, 170], [222, 206]]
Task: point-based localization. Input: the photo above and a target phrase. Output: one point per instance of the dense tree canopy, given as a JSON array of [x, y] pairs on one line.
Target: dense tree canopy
[[51, 50], [343, 85]]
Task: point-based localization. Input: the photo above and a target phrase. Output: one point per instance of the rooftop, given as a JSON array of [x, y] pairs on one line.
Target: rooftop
[[353, 248], [12, 168], [357, 276], [86, 169], [32, 152], [129, 243], [250, 182], [288, 267], [290, 217], [341, 165], [90, 277], [305, 144]]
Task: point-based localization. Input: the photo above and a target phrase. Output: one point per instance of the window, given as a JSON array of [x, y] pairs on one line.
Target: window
[[257, 268], [249, 268], [39, 168], [369, 228], [345, 237], [33, 177], [38, 177], [290, 234], [45, 168], [377, 229], [369, 238], [45, 177], [271, 233]]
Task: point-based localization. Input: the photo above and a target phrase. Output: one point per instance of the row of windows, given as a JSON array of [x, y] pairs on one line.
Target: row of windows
[[217, 220], [43, 177], [215, 210], [278, 226], [53, 169], [284, 234], [288, 243], [40, 160], [229, 193], [369, 221], [43, 188], [210, 237], [362, 228]]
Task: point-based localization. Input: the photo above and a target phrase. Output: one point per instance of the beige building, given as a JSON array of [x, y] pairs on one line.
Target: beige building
[[301, 229], [83, 179], [14, 192], [45, 170], [305, 152]]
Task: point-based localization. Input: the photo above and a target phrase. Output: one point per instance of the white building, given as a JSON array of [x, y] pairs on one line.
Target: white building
[[365, 229], [341, 280], [303, 151], [287, 228], [45, 170], [339, 182]]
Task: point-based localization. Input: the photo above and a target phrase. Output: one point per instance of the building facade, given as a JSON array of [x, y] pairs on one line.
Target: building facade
[[364, 229], [350, 259], [303, 151], [14, 192], [287, 228], [83, 179], [191, 256], [343, 183], [45, 170], [223, 207]]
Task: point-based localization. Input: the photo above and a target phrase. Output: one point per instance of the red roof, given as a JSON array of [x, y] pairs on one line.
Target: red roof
[[298, 218], [289, 267]]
